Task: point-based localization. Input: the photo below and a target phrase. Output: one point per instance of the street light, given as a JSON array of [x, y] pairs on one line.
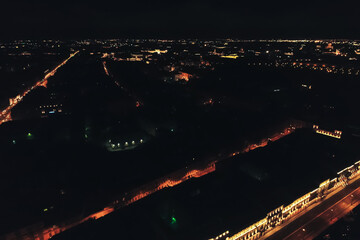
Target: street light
[[304, 230]]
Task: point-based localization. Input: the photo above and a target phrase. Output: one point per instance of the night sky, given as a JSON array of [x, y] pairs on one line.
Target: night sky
[[179, 19]]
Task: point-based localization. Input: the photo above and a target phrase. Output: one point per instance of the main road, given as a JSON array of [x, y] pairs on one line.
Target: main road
[[315, 220], [5, 115]]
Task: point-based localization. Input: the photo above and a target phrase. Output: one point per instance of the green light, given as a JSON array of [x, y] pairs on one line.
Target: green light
[[45, 210], [29, 134], [173, 220]]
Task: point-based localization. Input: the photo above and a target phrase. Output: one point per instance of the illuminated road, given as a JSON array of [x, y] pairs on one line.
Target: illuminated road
[[5, 115], [317, 219], [105, 68], [138, 103]]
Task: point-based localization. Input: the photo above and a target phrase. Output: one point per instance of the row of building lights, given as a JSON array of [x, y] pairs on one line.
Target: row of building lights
[[328, 69], [126, 144], [55, 105], [220, 236]]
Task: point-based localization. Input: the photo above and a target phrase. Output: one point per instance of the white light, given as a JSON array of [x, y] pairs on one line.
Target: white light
[[133, 142]]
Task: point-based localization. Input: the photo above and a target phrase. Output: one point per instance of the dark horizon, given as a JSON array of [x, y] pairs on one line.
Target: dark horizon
[[185, 19]]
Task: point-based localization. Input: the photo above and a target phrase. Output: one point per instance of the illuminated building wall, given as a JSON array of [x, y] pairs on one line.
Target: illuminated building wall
[[41, 232], [335, 134], [275, 137], [274, 218], [284, 214], [171, 180]]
